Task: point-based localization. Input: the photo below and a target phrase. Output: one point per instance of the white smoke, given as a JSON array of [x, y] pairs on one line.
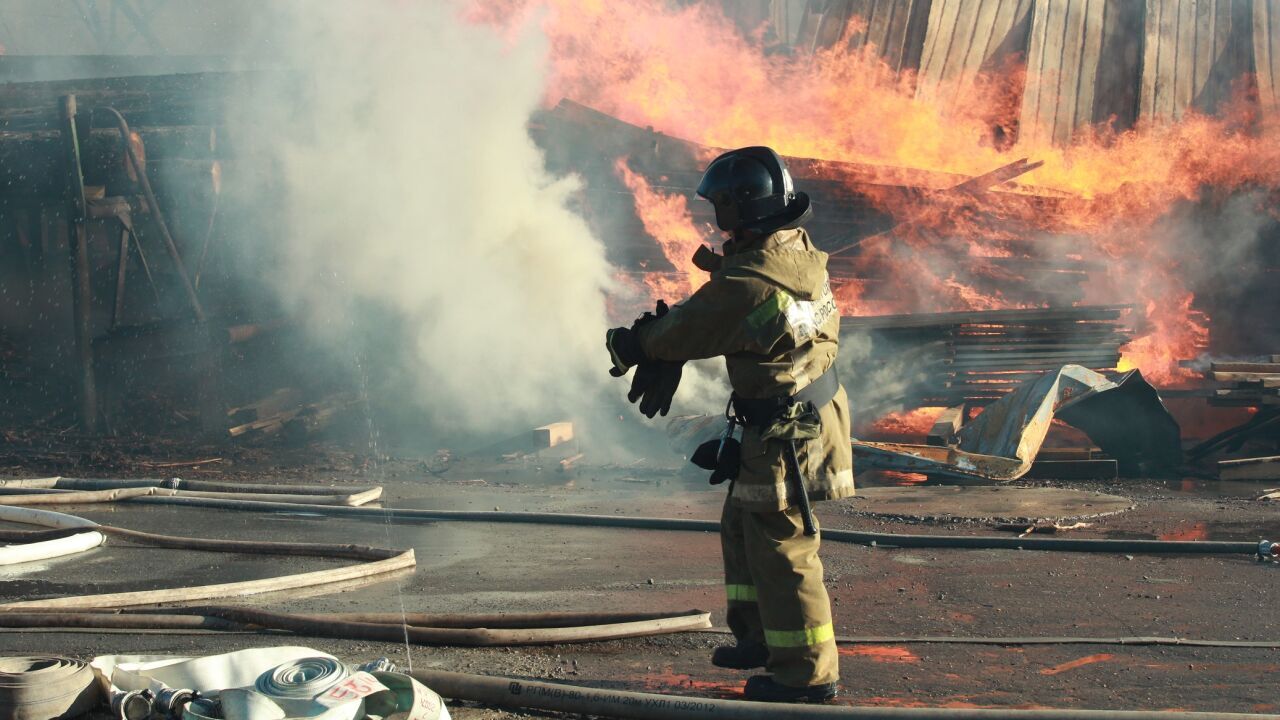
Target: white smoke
[[412, 191]]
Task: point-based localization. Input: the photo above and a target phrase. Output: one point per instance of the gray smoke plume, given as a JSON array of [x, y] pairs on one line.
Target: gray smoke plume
[[419, 211]]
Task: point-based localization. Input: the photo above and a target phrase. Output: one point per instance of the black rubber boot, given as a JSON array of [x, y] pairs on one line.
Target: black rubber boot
[[763, 688], [740, 657]]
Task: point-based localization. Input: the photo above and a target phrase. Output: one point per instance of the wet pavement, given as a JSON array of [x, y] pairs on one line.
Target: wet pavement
[[487, 567]]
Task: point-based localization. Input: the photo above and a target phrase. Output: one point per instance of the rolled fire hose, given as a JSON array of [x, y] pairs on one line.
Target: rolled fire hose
[[517, 693], [45, 688], [81, 535], [293, 686], [896, 540]]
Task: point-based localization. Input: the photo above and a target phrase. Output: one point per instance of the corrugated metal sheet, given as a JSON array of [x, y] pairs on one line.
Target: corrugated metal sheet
[[1125, 416], [1266, 52], [1194, 50], [1083, 67], [895, 27], [965, 37]]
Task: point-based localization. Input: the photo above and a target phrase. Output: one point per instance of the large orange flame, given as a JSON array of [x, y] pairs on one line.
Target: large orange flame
[[665, 217], [687, 71]]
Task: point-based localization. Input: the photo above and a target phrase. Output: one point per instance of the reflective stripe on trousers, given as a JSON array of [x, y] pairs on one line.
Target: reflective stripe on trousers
[[769, 559], [800, 638]]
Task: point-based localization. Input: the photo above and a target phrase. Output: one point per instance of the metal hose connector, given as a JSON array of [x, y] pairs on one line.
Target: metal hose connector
[[382, 664], [131, 705], [169, 702]]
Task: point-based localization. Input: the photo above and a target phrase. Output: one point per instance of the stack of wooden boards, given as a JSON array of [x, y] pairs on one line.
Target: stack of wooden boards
[[951, 359], [287, 411], [1255, 468], [1247, 384], [1251, 385]]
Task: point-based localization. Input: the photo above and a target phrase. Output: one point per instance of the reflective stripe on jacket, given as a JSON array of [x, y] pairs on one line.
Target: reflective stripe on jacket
[[770, 312]]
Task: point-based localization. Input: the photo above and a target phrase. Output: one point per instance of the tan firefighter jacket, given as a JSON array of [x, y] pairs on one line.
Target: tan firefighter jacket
[[770, 312]]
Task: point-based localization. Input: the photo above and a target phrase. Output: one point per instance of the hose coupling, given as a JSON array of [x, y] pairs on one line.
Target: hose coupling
[[132, 704], [1268, 550], [382, 664], [169, 702]]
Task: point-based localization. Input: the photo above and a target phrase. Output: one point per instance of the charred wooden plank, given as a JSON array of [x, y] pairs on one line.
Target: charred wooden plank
[[1245, 367], [1256, 468]]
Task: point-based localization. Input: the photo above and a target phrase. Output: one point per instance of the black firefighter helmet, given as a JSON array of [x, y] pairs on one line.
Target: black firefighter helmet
[[752, 191]]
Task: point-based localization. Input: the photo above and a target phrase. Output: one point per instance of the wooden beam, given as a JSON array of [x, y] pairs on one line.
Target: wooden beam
[[946, 426], [549, 436], [1267, 380], [1257, 468], [1245, 367], [78, 259]]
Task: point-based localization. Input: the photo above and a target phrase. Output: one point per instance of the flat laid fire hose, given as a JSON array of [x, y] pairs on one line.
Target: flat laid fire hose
[[45, 688], [506, 692], [858, 537]]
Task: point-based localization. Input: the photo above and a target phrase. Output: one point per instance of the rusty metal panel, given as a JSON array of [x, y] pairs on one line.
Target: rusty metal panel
[[1125, 416], [895, 28], [1082, 67], [1194, 50], [966, 37], [1266, 53]]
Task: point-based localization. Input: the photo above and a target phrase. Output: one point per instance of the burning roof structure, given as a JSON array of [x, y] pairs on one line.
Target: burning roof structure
[[962, 157], [1003, 188]]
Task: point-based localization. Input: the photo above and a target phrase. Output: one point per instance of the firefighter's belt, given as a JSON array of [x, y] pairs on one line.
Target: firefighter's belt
[[764, 412]]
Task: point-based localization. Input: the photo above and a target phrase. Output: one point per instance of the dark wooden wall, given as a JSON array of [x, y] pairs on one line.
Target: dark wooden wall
[[1194, 50], [1083, 65]]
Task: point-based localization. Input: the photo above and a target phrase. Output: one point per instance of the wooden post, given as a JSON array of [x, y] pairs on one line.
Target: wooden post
[[81, 295]]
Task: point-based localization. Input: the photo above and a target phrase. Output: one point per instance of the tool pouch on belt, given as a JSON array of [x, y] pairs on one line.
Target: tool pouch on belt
[[794, 422], [790, 418]]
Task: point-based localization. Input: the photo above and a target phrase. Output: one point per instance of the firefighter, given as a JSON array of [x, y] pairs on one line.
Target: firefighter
[[768, 309]]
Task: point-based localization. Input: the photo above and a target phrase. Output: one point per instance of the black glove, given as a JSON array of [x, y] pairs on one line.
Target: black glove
[[655, 385], [624, 346], [624, 350], [655, 381]]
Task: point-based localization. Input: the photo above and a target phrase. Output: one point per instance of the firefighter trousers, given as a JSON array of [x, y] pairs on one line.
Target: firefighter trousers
[[773, 581]]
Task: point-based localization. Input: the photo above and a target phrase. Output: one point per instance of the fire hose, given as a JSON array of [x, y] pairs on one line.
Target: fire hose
[[519, 693], [376, 562], [45, 688], [53, 496], [72, 535], [857, 537], [388, 627]]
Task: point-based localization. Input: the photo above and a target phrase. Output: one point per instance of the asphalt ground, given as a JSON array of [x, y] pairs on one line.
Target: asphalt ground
[[489, 567]]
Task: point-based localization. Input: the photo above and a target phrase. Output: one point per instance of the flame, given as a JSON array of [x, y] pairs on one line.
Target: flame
[[909, 424], [666, 219], [688, 72]]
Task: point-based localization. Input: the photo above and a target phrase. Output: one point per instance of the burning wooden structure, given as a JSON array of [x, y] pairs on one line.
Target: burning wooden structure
[[964, 283]]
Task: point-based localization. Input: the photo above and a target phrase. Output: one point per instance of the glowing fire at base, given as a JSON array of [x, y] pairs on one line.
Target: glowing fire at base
[[910, 425]]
